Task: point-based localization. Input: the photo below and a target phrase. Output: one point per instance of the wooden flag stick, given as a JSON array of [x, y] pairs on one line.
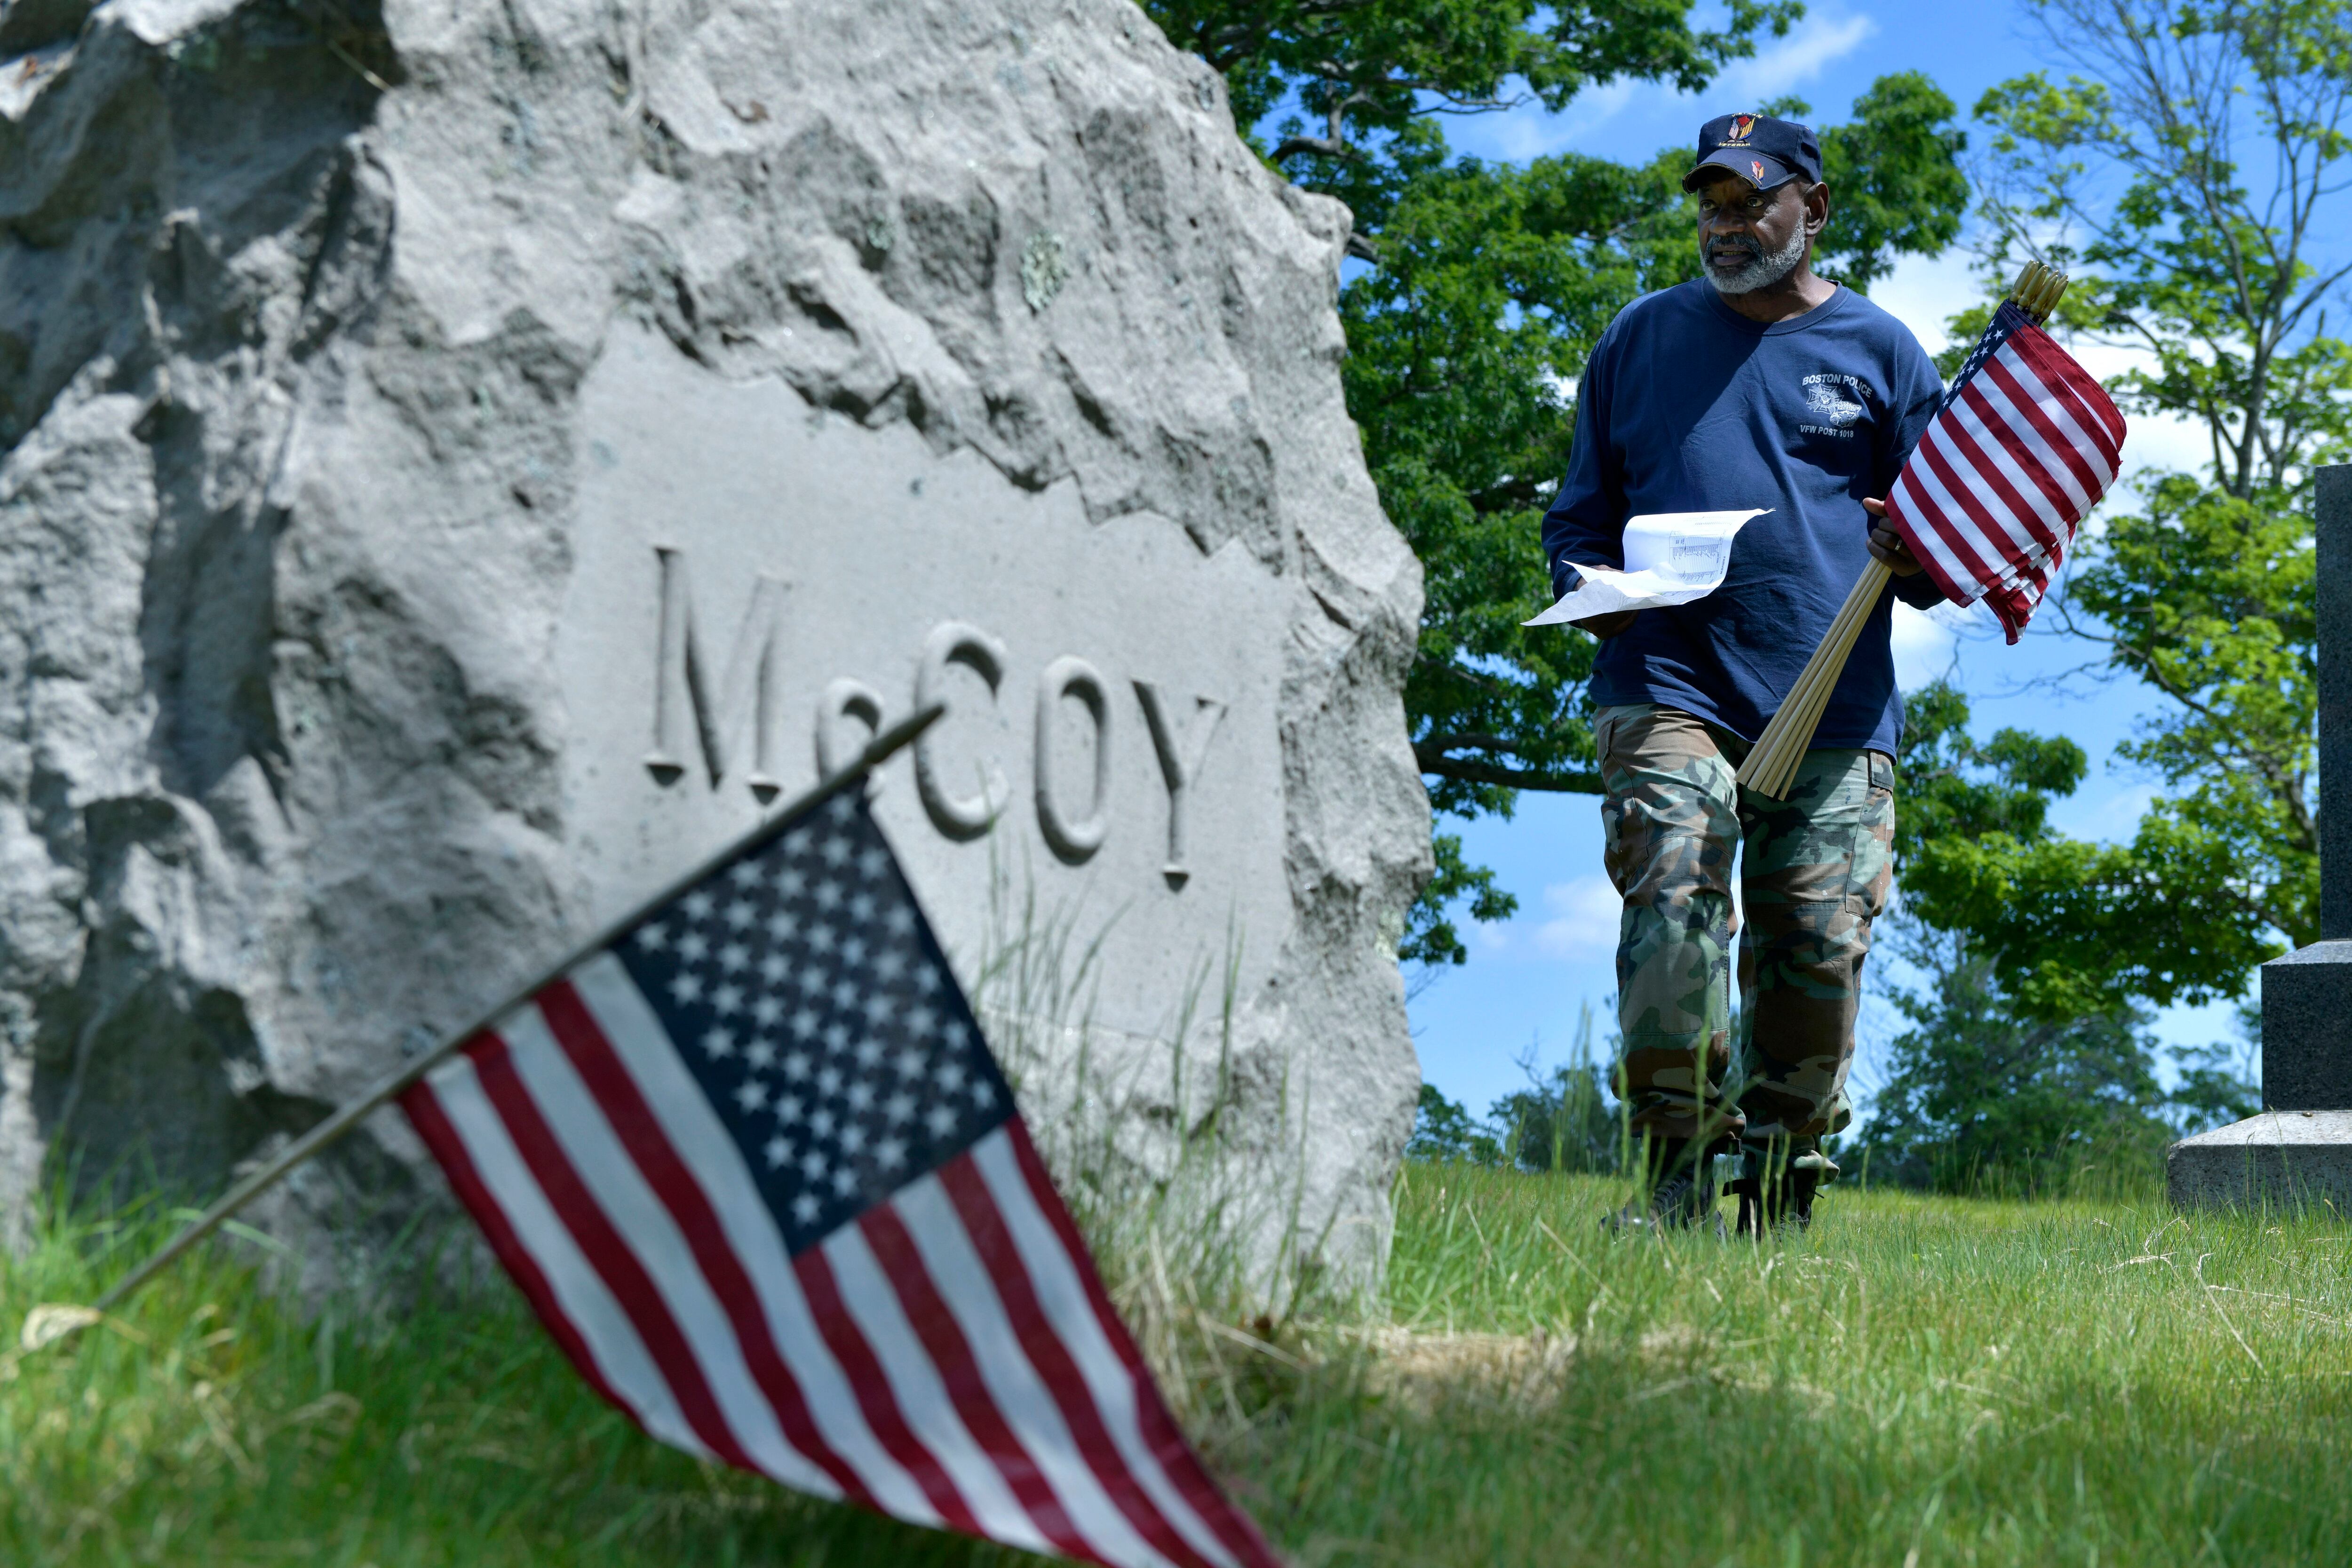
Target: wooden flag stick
[[1781, 748], [878, 751], [1771, 767], [1861, 604]]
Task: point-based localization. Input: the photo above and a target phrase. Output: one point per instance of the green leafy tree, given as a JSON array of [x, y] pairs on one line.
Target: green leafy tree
[[1358, 72], [1561, 1121], [1980, 1096], [1973, 835], [1430, 940], [1894, 173], [1443, 1131], [1988, 1087], [2186, 170], [1953, 787]]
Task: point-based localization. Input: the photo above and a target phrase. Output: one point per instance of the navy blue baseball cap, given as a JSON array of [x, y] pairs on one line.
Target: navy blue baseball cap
[[1762, 150]]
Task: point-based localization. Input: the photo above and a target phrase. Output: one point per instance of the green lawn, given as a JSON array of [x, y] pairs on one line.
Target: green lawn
[[1917, 1381]]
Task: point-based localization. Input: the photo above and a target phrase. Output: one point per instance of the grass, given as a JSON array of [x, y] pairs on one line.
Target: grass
[[1917, 1381]]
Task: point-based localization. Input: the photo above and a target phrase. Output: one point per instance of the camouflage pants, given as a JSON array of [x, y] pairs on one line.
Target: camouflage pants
[[1815, 874]]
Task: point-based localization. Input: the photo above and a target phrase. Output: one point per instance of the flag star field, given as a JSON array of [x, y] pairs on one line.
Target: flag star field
[[815, 1009]]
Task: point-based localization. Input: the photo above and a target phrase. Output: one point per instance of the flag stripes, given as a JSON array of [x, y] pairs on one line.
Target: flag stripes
[[1098, 1408], [1081, 1314], [948, 1356], [2023, 447], [573, 1300], [873, 1310], [720, 1264], [889, 1469]]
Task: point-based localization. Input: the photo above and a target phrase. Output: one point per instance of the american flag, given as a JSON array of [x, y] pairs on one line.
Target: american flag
[[756, 1170], [2025, 444]]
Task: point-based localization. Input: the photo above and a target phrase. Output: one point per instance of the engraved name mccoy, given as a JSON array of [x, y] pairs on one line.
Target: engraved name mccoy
[[719, 707]]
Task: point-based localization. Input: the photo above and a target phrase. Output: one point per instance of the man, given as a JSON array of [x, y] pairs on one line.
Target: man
[[1759, 385]]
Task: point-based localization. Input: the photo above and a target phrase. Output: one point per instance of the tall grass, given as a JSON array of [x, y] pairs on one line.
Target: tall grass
[[1917, 1381], [1920, 1380], [1185, 1184], [210, 1423]]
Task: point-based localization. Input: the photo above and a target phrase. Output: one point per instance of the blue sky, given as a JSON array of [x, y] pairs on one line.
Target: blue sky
[[1527, 978]]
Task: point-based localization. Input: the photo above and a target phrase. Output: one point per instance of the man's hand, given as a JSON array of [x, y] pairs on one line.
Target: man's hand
[[1888, 545], [1606, 626]]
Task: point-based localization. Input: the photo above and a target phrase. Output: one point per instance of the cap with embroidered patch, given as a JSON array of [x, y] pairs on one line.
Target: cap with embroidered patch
[[1762, 150]]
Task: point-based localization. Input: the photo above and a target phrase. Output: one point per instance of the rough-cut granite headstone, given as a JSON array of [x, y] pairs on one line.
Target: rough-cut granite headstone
[[462, 461], [2299, 1148]]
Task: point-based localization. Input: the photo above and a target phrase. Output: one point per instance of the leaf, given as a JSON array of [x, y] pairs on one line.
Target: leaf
[[52, 1320]]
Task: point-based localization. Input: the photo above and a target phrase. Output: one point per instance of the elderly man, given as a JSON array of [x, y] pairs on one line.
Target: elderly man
[[1759, 384]]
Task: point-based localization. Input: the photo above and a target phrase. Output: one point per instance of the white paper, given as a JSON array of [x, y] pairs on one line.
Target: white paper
[[1671, 558]]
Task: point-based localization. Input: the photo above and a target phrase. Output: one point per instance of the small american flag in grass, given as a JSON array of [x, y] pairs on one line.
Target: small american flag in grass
[[2026, 442], [758, 1174]]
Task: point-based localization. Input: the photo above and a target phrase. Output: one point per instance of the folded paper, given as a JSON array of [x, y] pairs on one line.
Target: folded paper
[[1671, 558]]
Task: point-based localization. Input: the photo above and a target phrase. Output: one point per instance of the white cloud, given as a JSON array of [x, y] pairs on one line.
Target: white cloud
[[1533, 133], [1922, 290], [1584, 919], [1785, 64], [1924, 642], [1809, 49], [2112, 818]]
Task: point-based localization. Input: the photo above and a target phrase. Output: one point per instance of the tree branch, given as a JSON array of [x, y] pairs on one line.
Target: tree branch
[[1432, 758], [1320, 146]]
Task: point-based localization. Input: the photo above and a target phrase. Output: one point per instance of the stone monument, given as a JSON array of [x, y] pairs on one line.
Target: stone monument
[[2299, 1148], [460, 464]]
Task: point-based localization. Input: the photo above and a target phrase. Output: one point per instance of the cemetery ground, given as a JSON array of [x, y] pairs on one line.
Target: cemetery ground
[[1918, 1381]]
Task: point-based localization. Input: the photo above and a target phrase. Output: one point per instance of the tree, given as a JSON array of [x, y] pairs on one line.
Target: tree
[[2184, 170], [1561, 1121], [1981, 1093], [1955, 789], [1989, 1087], [2098, 923], [1430, 939], [1894, 173], [1442, 1131], [1980, 1096]]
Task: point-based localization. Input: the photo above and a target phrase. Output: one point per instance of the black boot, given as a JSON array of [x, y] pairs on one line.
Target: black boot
[[1777, 1184], [1677, 1191]]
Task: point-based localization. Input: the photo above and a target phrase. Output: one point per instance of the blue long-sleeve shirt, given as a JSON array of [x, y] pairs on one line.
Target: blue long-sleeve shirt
[[1688, 405]]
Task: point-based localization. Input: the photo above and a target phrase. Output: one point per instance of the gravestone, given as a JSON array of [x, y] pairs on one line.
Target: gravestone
[[2299, 1147], [458, 469]]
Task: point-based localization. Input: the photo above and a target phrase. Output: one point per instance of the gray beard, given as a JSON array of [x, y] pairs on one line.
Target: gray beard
[[1762, 272]]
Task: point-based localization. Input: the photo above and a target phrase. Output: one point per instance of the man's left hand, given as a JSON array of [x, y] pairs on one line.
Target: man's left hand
[[1888, 545]]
